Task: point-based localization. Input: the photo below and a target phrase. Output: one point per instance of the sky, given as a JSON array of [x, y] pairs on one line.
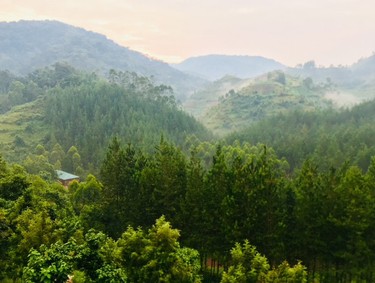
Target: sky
[[330, 32]]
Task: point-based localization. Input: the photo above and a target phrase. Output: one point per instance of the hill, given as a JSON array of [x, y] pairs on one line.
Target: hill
[[72, 108], [214, 67], [29, 45], [243, 102]]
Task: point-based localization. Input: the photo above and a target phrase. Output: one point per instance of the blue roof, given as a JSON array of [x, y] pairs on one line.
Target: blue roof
[[62, 175]]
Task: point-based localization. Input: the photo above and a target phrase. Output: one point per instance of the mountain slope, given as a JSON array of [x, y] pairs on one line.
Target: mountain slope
[[29, 45], [214, 67], [262, 97]]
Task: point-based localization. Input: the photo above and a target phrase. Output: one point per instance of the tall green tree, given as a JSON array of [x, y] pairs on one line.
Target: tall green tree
[[312, 211], [248, 265], [165, 179], [120, 174], [193, 222]]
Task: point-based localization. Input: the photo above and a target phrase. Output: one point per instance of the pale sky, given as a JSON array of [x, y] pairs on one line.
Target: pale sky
[[290, 31]]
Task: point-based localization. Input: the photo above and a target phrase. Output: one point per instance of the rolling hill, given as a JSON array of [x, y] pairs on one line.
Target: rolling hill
[[249, 101]]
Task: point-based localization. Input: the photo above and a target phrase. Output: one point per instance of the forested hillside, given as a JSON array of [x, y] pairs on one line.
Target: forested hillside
[[59, 107], [329, 138]]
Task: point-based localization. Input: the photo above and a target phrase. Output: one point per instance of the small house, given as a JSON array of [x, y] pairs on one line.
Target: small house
[[66, 178]]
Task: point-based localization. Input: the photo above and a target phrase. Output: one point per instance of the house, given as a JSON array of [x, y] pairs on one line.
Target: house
[[66, 178]]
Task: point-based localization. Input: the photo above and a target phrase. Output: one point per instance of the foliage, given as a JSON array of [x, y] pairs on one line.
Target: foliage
[[247, 265], [245, 192], [156, 256], [52, 264], [120, 174]]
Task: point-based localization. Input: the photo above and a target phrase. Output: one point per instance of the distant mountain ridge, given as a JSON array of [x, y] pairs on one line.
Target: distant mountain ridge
[[28, 45], [214, 67]]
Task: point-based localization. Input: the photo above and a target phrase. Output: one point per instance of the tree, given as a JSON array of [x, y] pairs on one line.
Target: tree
[[218, 183], [13, 184], [193, 207], [248, 265], [253, 206], [156, 256], [38, 164], [120, 173], [285, 273], [352, 218], [164, 180], [72, 160], [83, 260], [309, 65], [86, 200], [312, 213]]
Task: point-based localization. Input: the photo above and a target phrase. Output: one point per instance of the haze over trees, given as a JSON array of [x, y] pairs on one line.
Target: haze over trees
[[265, 96]]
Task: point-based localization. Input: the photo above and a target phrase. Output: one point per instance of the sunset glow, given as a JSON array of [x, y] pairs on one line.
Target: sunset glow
[[292, 31]]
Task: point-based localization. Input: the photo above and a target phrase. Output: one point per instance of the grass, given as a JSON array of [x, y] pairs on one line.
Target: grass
[[21, 129]]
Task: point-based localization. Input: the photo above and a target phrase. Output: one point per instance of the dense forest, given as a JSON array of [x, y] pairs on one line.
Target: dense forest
[[290, 199], [327, 137], [237, 220]]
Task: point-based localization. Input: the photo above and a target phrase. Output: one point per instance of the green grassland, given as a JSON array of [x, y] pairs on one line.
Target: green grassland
[[22, 128]]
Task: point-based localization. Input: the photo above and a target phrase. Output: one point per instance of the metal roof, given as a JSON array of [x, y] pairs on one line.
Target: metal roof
[[62, 175]]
